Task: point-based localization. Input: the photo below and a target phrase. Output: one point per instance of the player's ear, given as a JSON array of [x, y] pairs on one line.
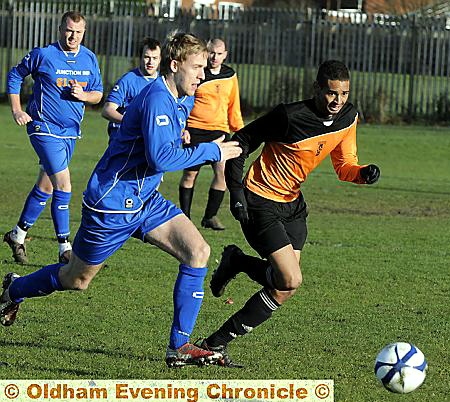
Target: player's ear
[[174, 66]]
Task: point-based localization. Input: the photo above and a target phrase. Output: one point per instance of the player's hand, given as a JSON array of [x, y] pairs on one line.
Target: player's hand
[[21, 117], [186, 137], [76, 90], [238, 206], [228, 149], [370, 173]]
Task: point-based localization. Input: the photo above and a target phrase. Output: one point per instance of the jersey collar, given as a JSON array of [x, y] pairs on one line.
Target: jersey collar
[[67, 52], [177, 100]]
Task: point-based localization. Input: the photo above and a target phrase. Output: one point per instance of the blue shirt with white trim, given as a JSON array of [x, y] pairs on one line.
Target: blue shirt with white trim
[[124, 91], [147, 145], [53, 110]]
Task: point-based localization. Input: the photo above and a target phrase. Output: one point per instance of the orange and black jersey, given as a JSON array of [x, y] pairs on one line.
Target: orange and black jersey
[[217, 105], [295, 141]]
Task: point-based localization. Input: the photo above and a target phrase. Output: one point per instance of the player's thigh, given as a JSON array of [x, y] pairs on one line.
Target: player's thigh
[[180, 238], [165, 226], [286, 267], [274, 225], [100, 234], [54, 153]]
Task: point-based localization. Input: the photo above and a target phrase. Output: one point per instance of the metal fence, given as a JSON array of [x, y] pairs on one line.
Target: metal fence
[[400, 66]]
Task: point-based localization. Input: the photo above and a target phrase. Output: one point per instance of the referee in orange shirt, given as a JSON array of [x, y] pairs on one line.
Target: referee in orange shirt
[[216, 113]]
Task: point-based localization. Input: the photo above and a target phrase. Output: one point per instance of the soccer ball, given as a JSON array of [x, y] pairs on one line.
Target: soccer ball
[[401, 367]]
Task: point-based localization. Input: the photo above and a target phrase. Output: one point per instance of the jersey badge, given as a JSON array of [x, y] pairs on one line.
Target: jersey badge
[[162, 120]]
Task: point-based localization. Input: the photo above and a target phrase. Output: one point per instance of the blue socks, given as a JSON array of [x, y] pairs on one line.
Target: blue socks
[[61, 214], [187, 300], [34, 205], [39, 283]]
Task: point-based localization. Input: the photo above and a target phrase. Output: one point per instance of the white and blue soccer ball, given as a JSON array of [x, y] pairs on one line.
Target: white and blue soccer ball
[[401, 367]]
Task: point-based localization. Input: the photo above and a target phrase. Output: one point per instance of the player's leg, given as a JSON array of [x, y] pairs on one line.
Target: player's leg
[[98, 237], [260, 307], [33, 207], [179, 237], [278, 232], [76, 275], [55, 155], [186, 189], [62, 193], [215, 198]]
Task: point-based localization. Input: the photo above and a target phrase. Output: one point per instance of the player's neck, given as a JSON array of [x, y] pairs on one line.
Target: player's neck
[[171, 85], [216, 70], [144, 74], [65, 49]]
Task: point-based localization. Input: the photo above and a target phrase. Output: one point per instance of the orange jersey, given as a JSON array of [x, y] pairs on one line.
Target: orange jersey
[[217, 105], [295, 141]]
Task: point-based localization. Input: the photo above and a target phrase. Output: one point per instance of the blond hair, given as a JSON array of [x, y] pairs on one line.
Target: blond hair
[[178, 46]]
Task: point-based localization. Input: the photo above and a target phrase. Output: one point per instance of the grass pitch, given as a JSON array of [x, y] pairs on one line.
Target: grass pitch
[[375, 271]]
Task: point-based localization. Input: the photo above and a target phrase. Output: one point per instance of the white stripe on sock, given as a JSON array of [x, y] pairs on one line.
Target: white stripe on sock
[[267, 300]]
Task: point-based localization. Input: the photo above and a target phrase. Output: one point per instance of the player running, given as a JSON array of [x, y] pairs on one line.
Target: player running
[[66, 77], [269, 203], [121, 200]]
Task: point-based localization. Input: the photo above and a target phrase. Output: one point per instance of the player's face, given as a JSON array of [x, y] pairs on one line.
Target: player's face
[[150, 61], [71, 34], [189, 73], [216, 55], [332, 98]]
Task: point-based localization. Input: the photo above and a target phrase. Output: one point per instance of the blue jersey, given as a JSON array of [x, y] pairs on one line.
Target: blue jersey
[[147, 145], [53, 110], [123, 92]]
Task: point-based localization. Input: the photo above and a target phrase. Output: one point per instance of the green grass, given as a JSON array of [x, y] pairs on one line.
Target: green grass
[[375, 271]]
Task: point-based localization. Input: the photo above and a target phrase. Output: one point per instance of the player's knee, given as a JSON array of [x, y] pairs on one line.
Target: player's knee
[[74, 282], [79, 283], [66, 187], [200, 255], [289, 283], [188, 179], [46, 188]]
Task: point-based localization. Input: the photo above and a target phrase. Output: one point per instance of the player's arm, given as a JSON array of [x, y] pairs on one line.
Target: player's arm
[[345, 161], [235, 120], [110, 112], [19, 116], [14, 82], [271, 127], [163, 144], [89, 97]]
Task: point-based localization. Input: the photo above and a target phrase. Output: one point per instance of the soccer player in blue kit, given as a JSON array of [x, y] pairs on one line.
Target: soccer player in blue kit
[[66, 77], [121, 200], [131, 83]]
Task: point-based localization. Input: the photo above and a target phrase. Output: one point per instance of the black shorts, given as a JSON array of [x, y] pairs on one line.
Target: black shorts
[[198, 136], [273, 225]]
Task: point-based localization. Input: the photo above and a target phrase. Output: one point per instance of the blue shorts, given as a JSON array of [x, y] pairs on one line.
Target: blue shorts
[[101, 234], [54, 153]]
